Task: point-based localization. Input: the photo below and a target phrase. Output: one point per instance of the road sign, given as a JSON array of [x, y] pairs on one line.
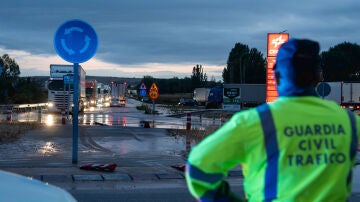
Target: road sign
[[154, 92], [142, 92], [154, 87], [153, 95], [142, 86], [75, 41], [323, 89], [68, 79], [231, 92]]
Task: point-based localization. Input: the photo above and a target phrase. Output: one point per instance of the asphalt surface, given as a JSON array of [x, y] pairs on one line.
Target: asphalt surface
[[144, 157], [48, 153]]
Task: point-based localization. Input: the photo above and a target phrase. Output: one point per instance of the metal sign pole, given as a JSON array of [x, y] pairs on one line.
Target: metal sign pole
[[63, 107], [69, 101], [153, 107], [75, 114], [69, 46]]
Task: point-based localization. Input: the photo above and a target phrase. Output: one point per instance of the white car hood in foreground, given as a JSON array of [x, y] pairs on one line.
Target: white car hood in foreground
[[14, 187]]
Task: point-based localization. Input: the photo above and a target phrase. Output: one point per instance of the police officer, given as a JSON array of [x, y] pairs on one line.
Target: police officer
[[297, 148]]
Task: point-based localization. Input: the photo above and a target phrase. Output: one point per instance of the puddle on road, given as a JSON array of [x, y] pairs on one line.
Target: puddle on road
[[175, 143], [48, 148], [150, 146]]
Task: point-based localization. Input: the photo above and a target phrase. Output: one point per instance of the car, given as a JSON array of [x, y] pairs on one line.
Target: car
[[188, 102], [15, 187], [115, 102]]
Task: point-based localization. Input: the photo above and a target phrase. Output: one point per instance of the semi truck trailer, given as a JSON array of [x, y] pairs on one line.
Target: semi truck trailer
[[61, 88]]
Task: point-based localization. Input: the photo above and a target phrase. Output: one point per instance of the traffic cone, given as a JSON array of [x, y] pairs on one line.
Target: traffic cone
[[181, 167], [188, 121], [99, 167], [147, 124]]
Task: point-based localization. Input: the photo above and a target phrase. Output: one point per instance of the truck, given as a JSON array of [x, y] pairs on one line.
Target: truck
[[118, 94], [91, 93], [97, 94], [236, 96], [346, 94], [201, 95], [103, 94], [61, 88], [215, 97]]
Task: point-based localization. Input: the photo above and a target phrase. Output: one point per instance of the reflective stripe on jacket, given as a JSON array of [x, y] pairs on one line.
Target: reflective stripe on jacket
[[294, 149]]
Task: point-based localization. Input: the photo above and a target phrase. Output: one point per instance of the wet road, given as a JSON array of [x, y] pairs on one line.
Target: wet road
[[107, 132], [135, 150], [121, 116], [126, 146]]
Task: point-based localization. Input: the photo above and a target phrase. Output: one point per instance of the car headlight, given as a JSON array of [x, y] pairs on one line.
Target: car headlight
[[50, 104]]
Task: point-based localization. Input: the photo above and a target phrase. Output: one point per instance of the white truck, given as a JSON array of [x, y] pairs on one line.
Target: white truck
[[351, 95], [103, 94], [242, 96], [201, 95], [118, 94], [346, 94], [60, 91]]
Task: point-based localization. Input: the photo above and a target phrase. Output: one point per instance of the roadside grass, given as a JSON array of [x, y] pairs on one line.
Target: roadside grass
[[173, 98], [195, 135], [146, 109], [11, 131]]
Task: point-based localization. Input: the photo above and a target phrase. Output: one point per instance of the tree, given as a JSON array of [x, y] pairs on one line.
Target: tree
[[28, 91], [244, 65], [341, 62], [148, 81], [198, 77], [9, 75]]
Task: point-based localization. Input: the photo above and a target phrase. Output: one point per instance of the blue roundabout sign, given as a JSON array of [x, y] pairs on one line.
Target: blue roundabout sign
[[75, 41]]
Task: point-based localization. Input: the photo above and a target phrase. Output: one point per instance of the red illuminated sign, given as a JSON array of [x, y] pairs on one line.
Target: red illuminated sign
[[274, 41]]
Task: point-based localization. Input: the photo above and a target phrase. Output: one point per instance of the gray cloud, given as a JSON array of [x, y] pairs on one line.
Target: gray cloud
[[177, 31]]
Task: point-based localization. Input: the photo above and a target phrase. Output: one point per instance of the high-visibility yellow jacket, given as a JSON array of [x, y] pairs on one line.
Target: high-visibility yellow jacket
[[293, 149]]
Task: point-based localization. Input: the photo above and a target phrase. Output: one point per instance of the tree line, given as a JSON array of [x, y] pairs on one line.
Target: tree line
[[244, 65], [339, 63], [198, 79], [15, 89], [248, 65]]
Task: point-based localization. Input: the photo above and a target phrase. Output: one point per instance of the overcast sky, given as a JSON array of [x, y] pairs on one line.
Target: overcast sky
[[166, 38]]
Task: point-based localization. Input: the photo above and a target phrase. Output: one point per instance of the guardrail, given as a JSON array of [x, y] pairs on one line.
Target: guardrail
[[22, 107]]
